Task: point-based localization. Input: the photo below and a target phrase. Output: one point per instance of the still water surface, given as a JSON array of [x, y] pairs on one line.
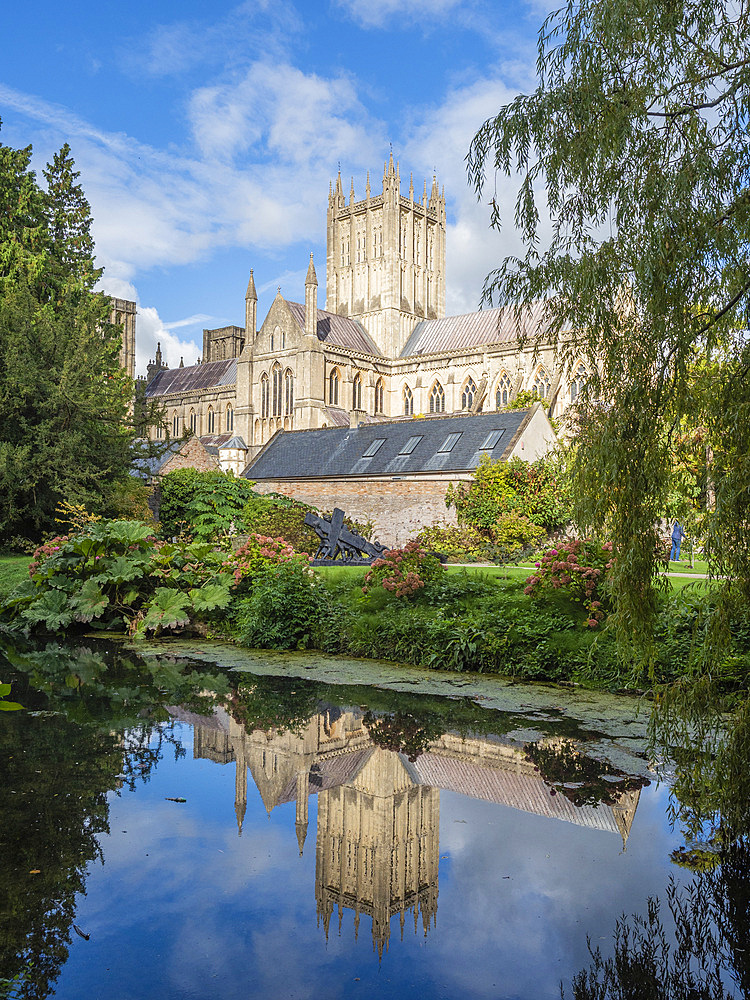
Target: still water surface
[[327, 841]]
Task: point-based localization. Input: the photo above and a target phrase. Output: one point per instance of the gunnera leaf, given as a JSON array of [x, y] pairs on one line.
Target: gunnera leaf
[[53, 610], [90, 602], [168, 609], [210, 597]]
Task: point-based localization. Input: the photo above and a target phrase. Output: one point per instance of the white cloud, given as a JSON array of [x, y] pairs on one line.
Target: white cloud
[[382, 13], [443, 139], [152, 330], [266, 144]]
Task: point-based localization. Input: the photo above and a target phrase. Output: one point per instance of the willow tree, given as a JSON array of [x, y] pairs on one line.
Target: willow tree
[[633, 203]]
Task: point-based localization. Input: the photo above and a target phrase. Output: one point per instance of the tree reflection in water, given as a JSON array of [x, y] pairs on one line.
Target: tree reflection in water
[[710, 957], [95, 725], [700, 732]]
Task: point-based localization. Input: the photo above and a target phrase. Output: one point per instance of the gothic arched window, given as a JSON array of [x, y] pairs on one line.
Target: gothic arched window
[[211, 420], [437, 399], [175, 425], [502, 395], [288, 392], [379, 396], [541, 384], [357, 392], [159, 431], [276, 375], [193, 421], [576, 383], [230, 417], [333, 387], [408, 402], [468, 393], [265, 406]]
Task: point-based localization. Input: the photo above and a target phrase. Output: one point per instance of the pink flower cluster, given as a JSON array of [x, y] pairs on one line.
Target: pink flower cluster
[[578, 566], [402, 572], [258, 552], [45, 550]]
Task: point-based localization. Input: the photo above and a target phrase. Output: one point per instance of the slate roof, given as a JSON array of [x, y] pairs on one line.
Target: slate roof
[[212, 374], [488, 326], [339, 331], [406, 447], [150, 466]]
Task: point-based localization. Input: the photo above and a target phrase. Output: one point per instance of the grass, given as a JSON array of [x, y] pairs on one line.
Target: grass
[[13, 570]]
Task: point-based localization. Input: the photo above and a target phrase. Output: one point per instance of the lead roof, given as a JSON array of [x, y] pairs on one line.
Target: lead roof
[[488, 326], [339, 331]]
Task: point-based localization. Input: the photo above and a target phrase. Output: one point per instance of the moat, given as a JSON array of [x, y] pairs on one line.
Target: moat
[[172, 828]]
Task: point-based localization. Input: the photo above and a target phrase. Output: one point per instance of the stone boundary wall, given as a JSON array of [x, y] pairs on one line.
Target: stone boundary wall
[[397, 507]]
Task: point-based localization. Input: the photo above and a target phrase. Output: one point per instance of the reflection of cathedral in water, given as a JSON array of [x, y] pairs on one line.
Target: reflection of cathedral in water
[[377, 844]]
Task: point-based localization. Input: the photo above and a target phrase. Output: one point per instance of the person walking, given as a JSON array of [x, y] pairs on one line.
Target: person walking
[[677, 535]]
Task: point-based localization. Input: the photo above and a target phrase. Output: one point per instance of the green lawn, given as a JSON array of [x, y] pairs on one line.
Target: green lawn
[[13, 569]]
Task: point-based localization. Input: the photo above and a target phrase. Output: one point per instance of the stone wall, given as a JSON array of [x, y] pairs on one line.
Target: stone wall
[[397, 507]]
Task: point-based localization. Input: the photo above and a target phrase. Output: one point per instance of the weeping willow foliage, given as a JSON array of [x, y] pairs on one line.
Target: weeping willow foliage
[[633, 204]]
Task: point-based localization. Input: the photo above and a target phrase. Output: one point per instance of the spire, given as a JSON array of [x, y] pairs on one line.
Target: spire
[[239, 811], [434, 191], [182, 363], [301, 829], [391, 171], [311, 301], [411, 187], [351, 193], [424, 193], [312, 278], [367, 186], [157, 359], [251, 310]]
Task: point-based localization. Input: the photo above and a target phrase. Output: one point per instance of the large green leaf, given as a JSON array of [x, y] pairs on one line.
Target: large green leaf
[[124, 568], [168, 609], [90, 602], [210, 597], [53, 610]]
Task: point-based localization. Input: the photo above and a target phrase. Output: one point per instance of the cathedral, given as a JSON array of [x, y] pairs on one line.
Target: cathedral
[[382, 349]]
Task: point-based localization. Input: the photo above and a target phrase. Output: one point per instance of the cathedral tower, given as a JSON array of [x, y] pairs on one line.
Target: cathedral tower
[[386, 258]]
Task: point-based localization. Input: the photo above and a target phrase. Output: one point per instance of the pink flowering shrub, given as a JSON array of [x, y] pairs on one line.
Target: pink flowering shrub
[[258, 554], [403, 572], [580, 567], [45, 551]]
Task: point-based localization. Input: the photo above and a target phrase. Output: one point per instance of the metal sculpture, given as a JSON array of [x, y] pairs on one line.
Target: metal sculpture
[[340, 545]]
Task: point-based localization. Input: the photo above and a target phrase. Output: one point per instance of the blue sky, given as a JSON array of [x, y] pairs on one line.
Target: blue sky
[[207, 134]]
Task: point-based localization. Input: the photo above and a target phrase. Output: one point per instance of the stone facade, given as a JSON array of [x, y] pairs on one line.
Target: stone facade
[[123, 315], [381, 349]]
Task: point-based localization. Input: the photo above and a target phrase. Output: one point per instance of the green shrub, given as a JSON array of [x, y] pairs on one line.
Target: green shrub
[[281, 517], [115, 574], [206, 506], [459, 542], [282, 609], [512, 537], [539, 490]]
